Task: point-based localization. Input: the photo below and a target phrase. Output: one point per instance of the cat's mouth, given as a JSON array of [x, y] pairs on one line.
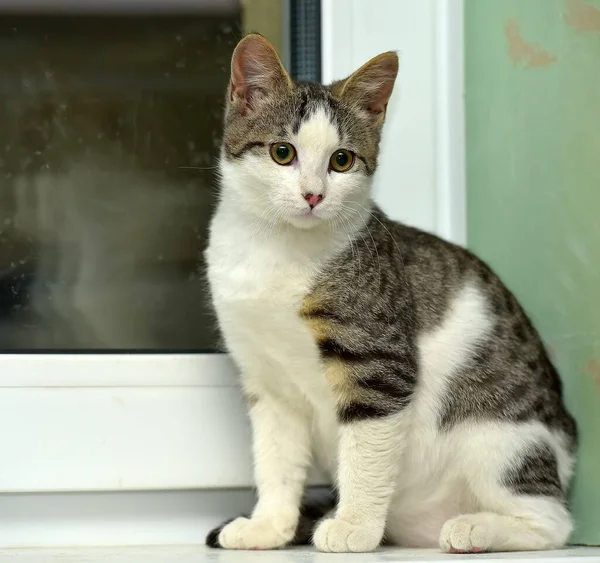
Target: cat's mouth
[[306, 218]]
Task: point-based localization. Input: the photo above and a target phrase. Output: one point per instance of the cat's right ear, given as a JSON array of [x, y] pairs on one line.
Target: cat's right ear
[[256, 74], [370, 87]]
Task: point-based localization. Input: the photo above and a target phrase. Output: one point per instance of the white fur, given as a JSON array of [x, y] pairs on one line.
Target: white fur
[[401, 475], [271, 196], [368, 469]]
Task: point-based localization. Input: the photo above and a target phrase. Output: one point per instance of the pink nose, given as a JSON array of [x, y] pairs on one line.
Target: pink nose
[[313, 199]]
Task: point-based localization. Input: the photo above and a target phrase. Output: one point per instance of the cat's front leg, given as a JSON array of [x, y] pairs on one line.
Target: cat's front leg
[[369, 453], [281, 444]]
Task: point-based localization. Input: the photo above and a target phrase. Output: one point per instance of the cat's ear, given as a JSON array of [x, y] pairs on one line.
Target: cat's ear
[[370, 87], [256, 73]]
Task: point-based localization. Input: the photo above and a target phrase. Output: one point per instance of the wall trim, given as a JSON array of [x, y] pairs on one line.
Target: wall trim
[[450, 112]]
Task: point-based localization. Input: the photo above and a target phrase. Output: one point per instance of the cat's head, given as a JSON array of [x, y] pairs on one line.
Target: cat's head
[[302, 153]]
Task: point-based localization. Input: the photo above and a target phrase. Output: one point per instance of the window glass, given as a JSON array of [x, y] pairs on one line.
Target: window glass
[[111, 125]]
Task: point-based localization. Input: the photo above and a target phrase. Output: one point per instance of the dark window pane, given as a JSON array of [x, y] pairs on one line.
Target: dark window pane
[[305, 23], [110, 132]]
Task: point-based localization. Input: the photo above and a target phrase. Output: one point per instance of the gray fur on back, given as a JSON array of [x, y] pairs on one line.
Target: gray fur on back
[[397, 282]]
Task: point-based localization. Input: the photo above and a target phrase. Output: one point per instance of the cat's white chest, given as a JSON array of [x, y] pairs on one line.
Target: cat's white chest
[[257, 287], [251, 273]]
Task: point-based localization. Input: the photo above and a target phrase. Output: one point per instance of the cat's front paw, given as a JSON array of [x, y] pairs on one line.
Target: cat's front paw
[[338, 536], [257, 533]]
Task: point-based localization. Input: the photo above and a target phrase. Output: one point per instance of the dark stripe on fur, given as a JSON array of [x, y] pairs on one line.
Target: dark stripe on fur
[[369, 169], [333, 107], [354, 412], [301, 112], [247, 147], [398, 388], [537, 475], [331, 348], [321, 314]]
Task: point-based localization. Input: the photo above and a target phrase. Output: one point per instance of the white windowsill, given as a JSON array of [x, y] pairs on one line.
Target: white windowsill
[[116, 370], [157, 527], [198, 554]]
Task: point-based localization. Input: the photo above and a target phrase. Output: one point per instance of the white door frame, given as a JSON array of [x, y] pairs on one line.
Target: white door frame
[[125, 423]]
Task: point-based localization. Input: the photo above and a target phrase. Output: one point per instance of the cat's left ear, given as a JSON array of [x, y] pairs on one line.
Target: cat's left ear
[[256, 73], [370, 87]]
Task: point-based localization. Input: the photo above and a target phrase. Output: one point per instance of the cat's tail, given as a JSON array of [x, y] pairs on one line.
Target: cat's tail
[[317, 503]]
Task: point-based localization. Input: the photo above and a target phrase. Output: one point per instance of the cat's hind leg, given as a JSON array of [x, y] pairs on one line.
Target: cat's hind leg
[[519, 502]]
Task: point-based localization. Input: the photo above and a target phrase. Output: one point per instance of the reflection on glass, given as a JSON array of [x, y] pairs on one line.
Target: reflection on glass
[[110, 133]]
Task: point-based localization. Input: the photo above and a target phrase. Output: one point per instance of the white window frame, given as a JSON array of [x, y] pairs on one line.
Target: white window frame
[[421, 177], [78, 423]]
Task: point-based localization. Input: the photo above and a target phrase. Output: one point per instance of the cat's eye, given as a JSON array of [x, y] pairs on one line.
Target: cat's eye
[[283, 153], [341, 160]]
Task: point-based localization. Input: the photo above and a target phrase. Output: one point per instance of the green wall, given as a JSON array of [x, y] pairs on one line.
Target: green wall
[[533, 195]]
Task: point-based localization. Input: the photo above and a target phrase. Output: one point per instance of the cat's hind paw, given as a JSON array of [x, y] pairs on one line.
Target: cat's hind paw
[[466, 534], [257, 533], [338, 536]]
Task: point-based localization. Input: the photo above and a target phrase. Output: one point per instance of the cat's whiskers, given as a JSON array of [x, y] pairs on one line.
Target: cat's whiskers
[[366, 225], [350, 231], [359, 232], [263, 225], [270, 206], [267, 219], [387, 230], [338, 222], [197, 167], [276, 223]]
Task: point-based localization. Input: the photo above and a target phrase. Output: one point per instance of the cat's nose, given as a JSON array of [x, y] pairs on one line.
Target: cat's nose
[[313, 199]]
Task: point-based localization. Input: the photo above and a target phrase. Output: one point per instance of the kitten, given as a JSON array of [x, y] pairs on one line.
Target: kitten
[[396, 359]]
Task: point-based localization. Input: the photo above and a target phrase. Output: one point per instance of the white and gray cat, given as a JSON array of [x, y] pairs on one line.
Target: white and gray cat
[[396, 360]]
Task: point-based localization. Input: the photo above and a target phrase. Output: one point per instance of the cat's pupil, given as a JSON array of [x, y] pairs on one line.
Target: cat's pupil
[[341, 159], [282, 152]]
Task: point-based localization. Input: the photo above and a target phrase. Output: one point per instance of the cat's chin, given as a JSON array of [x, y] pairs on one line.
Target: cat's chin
[[305, 222]]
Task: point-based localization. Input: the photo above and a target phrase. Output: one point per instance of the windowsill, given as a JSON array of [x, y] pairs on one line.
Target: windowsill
[[199, 554]]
